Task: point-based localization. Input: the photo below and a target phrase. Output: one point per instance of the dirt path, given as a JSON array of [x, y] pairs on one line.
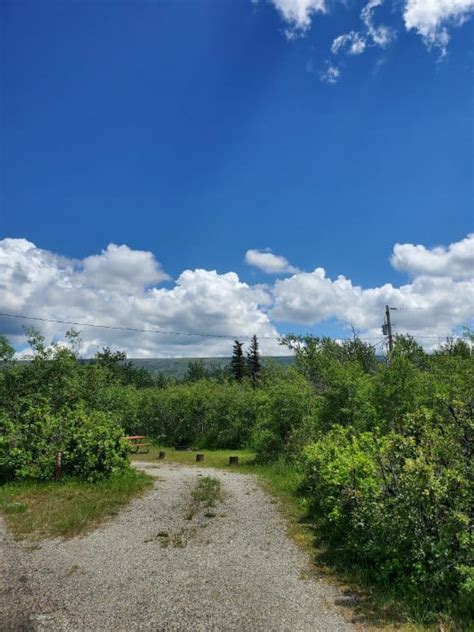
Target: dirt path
[[153, 568]]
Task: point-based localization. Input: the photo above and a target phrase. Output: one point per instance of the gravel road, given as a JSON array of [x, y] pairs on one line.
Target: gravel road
[[153, 568]]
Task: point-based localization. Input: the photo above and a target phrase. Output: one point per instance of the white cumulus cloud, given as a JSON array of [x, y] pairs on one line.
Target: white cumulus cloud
[[120, 287], [122, 269], [117, 288], [267, 261], [429, 308], [456, 261], [439, 298], [298, 13], [431, 18]]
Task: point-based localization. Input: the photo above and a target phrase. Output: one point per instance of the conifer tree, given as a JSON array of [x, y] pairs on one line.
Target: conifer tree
[[237, 363], [253, 360]]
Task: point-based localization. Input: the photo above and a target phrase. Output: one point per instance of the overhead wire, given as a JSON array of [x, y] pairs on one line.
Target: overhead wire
[[165, 332]]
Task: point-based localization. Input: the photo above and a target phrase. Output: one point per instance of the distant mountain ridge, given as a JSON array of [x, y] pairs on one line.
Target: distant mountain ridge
[[177, 367]]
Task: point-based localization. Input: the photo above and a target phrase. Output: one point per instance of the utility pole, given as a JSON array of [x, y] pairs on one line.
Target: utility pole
[[387, 327]]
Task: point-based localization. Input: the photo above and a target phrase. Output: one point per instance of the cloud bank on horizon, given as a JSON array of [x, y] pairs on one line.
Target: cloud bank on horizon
[[120, 287], [432, 20]]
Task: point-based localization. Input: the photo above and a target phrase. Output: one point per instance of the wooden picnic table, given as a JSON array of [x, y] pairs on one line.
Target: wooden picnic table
[[137, 442]]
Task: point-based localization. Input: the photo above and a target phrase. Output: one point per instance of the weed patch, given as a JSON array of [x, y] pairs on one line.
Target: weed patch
[[207, 491]]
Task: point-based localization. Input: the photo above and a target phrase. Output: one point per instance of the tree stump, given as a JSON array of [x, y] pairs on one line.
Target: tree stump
[[233, 460], [162, 455], [199, 457]]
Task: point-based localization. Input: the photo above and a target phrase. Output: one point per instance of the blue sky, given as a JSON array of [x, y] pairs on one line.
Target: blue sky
[[199, 130]]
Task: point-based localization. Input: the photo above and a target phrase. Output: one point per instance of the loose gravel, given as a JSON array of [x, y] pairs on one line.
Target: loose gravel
[[159, 566]]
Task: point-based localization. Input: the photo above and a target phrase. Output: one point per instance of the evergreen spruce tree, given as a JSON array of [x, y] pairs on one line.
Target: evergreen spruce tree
[[237, 363], [253, 360]]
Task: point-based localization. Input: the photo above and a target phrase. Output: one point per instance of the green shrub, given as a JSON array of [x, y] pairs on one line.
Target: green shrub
[[205, 413], [284, 421], [92, 444], [401, 505]]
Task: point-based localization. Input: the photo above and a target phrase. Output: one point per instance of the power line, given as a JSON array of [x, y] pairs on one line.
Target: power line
[[135, 329], [167, 332]]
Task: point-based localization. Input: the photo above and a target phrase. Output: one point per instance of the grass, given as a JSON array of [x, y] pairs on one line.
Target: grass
[[212, 458], [70, 508]]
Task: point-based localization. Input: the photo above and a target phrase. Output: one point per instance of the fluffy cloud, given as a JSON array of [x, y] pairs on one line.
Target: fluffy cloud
[[429, 309], [430, 18], [115, 289], [268, 262], [121, 269], [298, 13], [440, 297], [456, 261], [120, 288], [431, 305]]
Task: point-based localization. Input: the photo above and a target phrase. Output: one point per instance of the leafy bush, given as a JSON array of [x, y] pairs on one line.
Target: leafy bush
[[401, 504], [284, 421], [92, 444], [205, 413]]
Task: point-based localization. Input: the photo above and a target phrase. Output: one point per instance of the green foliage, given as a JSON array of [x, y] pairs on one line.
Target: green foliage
[[347, 398], [398, 388], [284, 417], [238, 367], [456, 347], [122, 370], [401, 504], [314, 355], [388, 474], [6, 349], [254, 366], [205, 413], [92, 444], [405, 346], [196, 371], [51, 404]]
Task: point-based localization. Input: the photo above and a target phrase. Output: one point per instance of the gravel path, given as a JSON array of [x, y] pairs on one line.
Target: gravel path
[[153, 568]]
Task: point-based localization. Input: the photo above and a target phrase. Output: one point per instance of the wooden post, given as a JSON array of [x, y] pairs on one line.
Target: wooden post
[[162, 455], [199, 457], [233, 460], [59, 469]]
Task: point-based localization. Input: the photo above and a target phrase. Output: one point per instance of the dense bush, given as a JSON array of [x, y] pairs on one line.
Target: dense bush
[[92, 444], [401, 504], [283, 423], [204, 413]]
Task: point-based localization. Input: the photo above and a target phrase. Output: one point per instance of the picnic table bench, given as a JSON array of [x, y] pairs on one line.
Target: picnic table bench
[[137, 442]]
